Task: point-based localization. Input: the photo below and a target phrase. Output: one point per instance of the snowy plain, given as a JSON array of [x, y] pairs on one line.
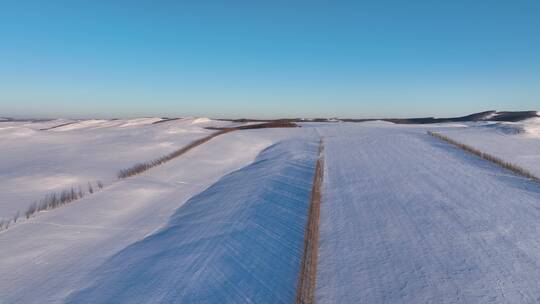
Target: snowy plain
[[405, 218]]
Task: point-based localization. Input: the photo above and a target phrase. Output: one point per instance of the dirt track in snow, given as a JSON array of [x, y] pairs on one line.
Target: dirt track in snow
[[307, 281]]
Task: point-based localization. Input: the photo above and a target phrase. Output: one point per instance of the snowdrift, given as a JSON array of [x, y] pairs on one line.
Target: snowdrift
[[239, 241]]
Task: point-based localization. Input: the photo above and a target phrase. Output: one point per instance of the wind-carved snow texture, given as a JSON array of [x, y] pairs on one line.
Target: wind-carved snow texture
[[407, 218], [239, 241]]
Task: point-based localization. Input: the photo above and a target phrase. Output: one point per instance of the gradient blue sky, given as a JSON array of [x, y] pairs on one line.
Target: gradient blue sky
[[268, 58]]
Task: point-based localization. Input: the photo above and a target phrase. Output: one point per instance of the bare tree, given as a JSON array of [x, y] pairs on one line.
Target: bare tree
[[81, 193], [31, 210]]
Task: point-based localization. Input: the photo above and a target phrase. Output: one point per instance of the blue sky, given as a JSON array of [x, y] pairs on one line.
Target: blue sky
[[268, 58]]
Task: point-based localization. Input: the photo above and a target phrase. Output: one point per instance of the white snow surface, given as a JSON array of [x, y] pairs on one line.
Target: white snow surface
[[405, 218], [36, 162]]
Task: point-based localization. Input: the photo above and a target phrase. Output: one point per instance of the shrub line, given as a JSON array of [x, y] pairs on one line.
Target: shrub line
[[493, 159], [145, 166], [142, 167]]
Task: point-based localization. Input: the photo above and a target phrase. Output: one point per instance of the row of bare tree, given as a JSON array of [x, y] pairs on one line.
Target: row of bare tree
[[502, 163], [141, 167], [53, 201]]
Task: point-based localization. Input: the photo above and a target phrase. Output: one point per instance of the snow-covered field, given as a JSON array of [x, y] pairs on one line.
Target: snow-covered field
[[36, 162], [405, 218]]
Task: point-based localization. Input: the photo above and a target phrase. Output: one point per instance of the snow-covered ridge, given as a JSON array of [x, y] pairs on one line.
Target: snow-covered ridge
[[50, 256], [221, 240]]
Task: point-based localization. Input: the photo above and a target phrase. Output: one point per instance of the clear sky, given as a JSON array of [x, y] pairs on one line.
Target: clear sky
[[268, 58]]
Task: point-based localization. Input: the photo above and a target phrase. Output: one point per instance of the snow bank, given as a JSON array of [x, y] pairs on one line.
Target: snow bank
[[239, 241]]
